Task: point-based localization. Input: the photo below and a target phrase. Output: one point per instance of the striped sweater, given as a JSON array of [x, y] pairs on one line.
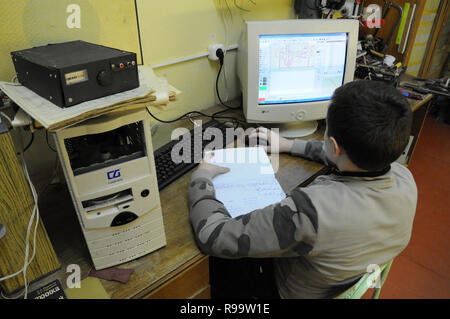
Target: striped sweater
[[324, 236]]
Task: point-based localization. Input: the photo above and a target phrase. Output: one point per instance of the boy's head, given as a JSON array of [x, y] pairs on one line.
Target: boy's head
[[370, 121]]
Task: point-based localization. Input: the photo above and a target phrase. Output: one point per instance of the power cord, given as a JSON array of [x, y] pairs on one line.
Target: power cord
[[225, 22], [220, 54], [48, 144], [34, 217], [8, 119], [214, 116]]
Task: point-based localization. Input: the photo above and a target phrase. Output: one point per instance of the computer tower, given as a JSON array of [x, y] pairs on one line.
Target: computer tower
[[109, 167]]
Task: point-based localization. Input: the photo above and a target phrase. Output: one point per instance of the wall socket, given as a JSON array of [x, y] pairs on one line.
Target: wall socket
[[212, 49]]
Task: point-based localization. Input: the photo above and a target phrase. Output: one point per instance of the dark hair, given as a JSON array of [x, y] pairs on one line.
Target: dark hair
[[371, 121]]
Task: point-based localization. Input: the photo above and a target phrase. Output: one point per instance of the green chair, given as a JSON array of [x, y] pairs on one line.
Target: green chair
[[367, 281]]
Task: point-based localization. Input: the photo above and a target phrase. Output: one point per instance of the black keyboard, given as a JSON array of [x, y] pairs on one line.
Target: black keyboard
[[168, 171]]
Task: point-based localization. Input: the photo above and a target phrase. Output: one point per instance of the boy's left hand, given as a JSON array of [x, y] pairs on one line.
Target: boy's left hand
[[212, 168]]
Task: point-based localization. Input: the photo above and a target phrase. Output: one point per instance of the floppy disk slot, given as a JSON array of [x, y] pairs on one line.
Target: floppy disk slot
[[108, 200]]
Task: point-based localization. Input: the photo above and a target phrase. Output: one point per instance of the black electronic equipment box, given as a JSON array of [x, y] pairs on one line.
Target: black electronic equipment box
[[73, 72]]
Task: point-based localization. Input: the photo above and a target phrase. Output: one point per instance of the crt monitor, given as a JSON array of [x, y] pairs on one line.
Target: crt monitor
[[289, 69]]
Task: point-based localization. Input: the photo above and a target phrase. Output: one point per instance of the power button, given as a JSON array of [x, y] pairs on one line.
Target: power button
[[300, 115]]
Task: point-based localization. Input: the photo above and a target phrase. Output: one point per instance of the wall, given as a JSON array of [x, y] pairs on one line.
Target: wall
[[422, 36], [28, 23], [441, 49], [169, 30]]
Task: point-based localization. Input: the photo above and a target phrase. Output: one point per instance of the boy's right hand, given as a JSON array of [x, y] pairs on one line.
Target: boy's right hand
[[275, 142]]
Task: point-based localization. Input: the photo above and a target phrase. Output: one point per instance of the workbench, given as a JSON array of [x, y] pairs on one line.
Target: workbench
[[178, 270]]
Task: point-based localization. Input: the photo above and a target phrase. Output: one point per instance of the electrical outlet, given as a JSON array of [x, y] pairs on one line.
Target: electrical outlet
[[212, 49]]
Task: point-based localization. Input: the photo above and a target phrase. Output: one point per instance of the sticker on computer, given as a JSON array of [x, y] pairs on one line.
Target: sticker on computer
[[114, 176]]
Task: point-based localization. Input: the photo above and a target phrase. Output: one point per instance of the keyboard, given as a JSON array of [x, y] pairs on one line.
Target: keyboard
[[168, 171]]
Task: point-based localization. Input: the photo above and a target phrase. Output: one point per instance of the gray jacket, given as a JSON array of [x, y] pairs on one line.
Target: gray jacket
[[324, 235]]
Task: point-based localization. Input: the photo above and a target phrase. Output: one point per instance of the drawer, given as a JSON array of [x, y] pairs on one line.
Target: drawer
[[192, 282]]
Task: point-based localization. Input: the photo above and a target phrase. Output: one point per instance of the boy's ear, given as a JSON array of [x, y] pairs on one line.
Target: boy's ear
[[336, 148]]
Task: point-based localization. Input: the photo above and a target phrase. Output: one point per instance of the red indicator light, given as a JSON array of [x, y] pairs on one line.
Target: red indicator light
[[121, 65]]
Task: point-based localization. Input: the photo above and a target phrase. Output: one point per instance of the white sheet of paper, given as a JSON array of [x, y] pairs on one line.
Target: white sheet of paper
[[251, 182]]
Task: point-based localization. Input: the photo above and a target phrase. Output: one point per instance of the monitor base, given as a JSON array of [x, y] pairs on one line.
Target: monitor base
[[297, 129]]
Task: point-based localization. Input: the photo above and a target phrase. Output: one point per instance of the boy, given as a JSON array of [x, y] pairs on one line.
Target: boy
[[324, 236]]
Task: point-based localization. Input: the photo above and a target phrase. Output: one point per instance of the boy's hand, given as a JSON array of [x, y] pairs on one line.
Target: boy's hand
[[275, 143], [213, 169]]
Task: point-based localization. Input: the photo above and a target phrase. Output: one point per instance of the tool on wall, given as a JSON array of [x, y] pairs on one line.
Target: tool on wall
[[382, 47]]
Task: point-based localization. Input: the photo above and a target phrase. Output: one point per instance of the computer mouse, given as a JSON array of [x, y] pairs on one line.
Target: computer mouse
[[229, 124]]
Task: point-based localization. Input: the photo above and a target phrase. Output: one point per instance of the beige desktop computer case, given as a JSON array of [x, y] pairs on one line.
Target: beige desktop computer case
[[116, 198]]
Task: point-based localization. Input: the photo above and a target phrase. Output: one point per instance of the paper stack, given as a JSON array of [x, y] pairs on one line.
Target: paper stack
[[152, 91]]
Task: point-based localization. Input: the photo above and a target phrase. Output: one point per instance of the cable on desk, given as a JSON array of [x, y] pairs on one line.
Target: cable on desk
[[201, 114], [214, 115], [176, 119]]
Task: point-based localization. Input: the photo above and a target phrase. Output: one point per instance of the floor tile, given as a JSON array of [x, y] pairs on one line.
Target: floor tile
[[429, 171], [422, 270], [408, 280], [430, 242], [434, 139]]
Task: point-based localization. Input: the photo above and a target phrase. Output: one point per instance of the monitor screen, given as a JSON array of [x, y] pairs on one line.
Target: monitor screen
[[296, 68]]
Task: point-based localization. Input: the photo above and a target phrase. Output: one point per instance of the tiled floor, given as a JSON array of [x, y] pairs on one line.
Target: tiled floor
[[422, 270]]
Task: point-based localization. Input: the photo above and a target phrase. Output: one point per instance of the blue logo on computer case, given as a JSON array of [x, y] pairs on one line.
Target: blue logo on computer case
[[113, 174]]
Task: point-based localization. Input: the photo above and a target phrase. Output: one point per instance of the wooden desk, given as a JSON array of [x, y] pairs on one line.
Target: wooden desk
[[420, 110], [179, 270]]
